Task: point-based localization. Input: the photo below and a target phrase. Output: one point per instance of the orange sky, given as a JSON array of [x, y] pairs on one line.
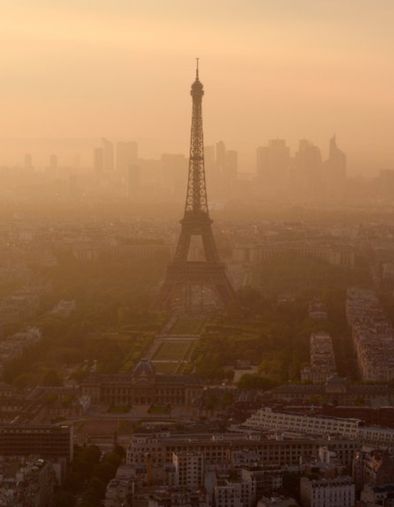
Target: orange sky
[[271, 68]]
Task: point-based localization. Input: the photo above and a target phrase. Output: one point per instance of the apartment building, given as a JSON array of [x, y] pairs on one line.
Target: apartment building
[[232, 449], [322, 359], [268, 419], [338, 492]]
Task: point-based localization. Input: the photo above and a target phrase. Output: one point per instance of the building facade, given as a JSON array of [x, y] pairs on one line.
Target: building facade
[[268, 419], [228, 449], [142, 387], [338, 492]]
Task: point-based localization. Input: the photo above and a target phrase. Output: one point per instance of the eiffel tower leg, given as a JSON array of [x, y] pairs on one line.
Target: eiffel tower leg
[[210, 250], [183, 246], [164, 297], [227, 294]]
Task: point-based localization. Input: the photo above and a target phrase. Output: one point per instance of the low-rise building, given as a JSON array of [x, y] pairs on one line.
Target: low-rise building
[[322, 359], [120, 489], [52, 443], [188, 469], [142, 387], [233, 449], [172, 497], [374, 467], [268, 478], [375, 496], [235, 493], [268, 419], [373, 335], [26, 482], [277, 501], [338, 492], [335, 390]]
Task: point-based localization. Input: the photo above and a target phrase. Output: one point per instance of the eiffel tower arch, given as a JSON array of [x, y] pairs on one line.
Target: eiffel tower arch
[[184, 274]]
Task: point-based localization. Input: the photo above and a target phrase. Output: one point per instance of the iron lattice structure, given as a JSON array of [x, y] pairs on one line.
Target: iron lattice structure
[[183, 274]]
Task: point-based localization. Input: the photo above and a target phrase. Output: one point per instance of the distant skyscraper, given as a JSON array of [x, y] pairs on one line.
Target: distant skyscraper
[[226, 166], [220, 156], [307, 174], [210, 158], [231, 165], [52, 169], [53, 162], [273, 164], [335, 171], [337, 159], [108, 155], [174, 172], [28, 163], [126, 156], [308, 156], [212, 171], [98, 161]]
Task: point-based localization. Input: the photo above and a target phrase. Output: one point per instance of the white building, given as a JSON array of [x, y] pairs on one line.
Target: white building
[[376, 434], [338, 492], [267, 419]]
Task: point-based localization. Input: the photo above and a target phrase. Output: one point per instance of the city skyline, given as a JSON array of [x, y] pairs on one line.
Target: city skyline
[[304, 71], [197, 253], [77, 153]]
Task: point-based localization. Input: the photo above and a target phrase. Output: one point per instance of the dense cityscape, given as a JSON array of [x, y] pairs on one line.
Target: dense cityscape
[[279, 392], [192, 330], [114, 171]]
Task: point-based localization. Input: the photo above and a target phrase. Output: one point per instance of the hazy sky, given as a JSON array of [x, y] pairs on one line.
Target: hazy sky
[[271, 68]]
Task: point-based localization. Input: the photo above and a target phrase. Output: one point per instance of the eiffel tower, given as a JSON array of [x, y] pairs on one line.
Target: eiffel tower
[[183, 274]]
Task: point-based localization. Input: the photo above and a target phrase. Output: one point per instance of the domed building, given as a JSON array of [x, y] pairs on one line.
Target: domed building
[[143, 386], [144, 371]]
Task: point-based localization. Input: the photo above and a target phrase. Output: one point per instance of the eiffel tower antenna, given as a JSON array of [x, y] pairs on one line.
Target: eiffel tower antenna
[[181, 272]]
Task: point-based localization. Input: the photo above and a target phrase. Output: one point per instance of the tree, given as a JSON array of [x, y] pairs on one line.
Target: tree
[[64, 499], [104, 471], [253, 381], [52, 378], [119, 450], [113, 458]]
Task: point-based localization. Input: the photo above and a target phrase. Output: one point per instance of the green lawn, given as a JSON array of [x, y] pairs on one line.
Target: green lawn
[[137, 348], [173, 350], [166, 368], [185, 326]]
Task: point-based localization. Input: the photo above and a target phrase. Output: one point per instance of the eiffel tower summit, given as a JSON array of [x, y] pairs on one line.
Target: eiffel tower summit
[[187, 281]]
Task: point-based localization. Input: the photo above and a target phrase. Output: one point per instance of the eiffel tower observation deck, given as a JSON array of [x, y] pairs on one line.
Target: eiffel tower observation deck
[[188, 281]]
